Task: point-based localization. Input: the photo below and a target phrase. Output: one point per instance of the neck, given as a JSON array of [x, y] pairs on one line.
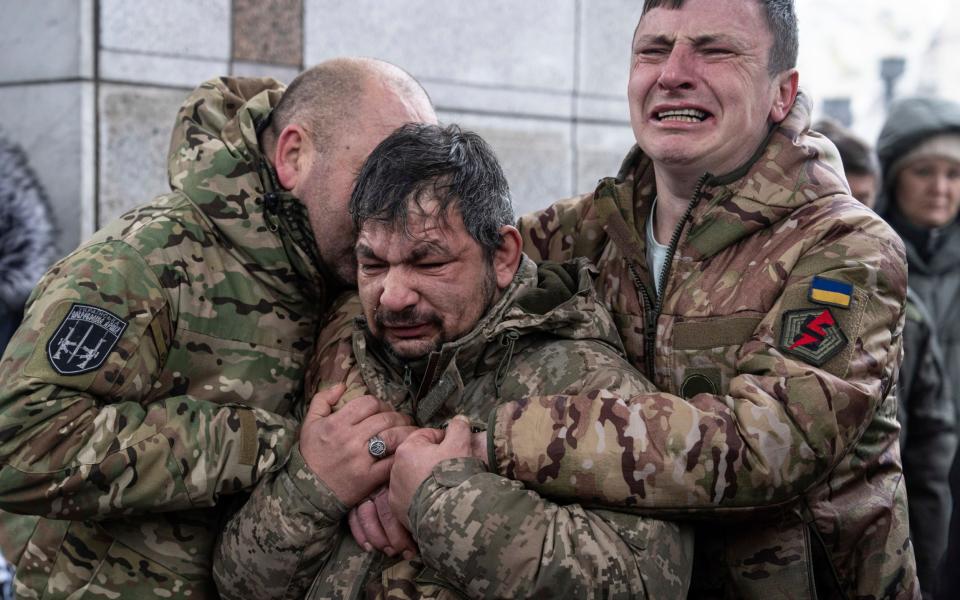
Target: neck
[[674, 192]]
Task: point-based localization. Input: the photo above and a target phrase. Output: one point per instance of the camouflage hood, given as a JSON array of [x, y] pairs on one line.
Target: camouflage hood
[[216, 161], [792, 167], [555, 298]]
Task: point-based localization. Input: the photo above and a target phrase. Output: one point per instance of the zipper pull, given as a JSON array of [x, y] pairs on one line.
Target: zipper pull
[[271, 206]]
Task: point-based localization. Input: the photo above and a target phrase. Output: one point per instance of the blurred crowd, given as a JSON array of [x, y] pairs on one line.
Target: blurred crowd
[[912, 179]]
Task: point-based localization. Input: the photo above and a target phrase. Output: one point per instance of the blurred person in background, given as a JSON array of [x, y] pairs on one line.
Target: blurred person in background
[[919, 150], [26, 236], [928, 435]]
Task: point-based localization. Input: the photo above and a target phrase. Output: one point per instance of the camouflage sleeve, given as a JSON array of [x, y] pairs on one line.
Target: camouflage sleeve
[[562, 231], [333, 361], [781, 426], [275, 545], [103, 441], [494, 539]]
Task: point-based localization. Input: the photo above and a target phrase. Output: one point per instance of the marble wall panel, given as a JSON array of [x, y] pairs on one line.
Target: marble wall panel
[[159, 70], [536, 155], [193, 28], [600, 150], [135, 126], [498, 43], [46, 40], [269, 31], [606, 33], [253, 69]]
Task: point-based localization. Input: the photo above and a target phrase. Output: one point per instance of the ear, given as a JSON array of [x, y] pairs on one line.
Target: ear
[[784, 94], [507, 257], [291, 154]]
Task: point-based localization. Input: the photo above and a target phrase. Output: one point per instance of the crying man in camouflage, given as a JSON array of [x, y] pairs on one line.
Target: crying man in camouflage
[[764, 302], [156, 366], [455, 321]]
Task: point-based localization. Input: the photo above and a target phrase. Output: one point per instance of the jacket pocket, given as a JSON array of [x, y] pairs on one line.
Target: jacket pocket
[[771, 560], [662, 554], [704, 352]]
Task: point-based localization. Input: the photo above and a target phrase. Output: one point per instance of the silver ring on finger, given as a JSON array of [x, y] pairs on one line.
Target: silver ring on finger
[[377, 447]]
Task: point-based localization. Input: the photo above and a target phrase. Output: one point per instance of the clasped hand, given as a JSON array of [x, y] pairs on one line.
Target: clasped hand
[[334, 447]]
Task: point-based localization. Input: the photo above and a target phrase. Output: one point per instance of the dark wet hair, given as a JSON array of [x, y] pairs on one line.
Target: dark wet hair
[[420, 162]]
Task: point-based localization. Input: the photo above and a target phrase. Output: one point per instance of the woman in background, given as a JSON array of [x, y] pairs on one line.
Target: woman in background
[[919, 150]]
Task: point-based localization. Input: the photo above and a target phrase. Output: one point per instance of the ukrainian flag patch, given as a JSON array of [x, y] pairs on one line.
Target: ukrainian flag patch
[[831, 292]]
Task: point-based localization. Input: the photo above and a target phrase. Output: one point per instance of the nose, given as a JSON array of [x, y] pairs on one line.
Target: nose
[[397, 293], [677, 71], [941, 184]]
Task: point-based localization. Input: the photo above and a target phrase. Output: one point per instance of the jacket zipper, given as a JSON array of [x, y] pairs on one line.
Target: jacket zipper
[[650, 329]]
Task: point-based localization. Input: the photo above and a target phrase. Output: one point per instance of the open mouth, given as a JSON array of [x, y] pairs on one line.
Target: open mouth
[[682, 115]]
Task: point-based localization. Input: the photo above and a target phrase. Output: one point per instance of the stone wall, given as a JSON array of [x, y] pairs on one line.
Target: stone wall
[[90, 88]]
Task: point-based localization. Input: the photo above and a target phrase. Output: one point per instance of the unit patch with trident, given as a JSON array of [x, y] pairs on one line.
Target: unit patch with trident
[[84, 339]]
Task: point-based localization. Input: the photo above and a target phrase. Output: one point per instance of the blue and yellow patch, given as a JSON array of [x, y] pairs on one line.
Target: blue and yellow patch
[[830, 292]]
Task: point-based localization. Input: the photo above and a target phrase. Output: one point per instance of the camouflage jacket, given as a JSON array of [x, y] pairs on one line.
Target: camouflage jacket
[[148, 378], [775, 346], [480, 535]]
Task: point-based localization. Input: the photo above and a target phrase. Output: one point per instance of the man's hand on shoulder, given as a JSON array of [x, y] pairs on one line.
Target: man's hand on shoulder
[[418, 455], [334, 446]]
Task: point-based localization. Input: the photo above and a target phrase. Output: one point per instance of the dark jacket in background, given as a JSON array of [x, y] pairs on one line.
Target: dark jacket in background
[[933, 256], [26, 236], [927, 437]]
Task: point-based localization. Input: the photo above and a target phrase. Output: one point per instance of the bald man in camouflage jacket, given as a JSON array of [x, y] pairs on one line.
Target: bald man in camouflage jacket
[[152, 374]]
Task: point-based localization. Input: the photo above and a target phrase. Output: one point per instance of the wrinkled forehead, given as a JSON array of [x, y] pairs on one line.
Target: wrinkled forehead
[[424, 225], [702, 18]]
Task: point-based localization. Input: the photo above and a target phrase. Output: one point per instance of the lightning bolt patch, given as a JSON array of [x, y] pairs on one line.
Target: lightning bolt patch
[[812, 335]]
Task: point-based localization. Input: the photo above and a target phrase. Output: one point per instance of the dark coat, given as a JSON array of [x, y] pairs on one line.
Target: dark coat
[[928, 437]]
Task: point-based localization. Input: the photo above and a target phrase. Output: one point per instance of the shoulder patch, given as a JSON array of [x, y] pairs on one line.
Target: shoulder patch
[[830, 292], [83, 340], [812, 335]]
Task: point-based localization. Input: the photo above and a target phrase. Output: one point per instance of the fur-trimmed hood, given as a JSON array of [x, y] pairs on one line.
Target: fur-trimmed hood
[[27, 233]]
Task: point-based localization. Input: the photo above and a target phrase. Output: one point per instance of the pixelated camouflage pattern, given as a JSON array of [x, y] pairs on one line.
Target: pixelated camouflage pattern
[[759, 435], [480, 535], [125, 470]]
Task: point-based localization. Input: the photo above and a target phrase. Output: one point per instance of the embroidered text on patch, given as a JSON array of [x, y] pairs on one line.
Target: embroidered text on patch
[[84, 339]]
